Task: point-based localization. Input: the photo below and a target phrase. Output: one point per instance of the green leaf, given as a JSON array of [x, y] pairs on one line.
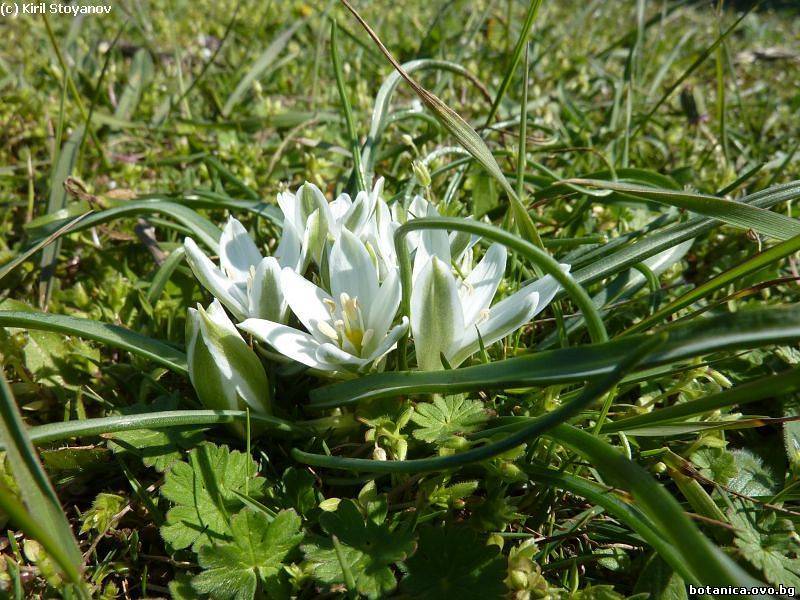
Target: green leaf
[[597, 592], [203, 491], [41, 517], [139, 78], [715, 464], [453, 562], [768, 544], [203, 229], [104, 508], [157, 448], [660, 582], [368, 549], [234, 570], [445, 417], [752, 478], [112, 335], [746, 329], [739, 214]]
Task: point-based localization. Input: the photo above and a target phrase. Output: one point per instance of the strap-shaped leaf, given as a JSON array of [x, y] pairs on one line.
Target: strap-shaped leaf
[[105, 333], [737, 331], [47, 524], [739, 214]]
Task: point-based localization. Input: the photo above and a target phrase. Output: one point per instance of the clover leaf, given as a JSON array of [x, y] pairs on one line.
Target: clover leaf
[[235, 570], [203, 489]]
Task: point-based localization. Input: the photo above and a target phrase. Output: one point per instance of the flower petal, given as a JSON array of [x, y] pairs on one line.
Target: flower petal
[[352, 270], [382, 310], [290, 249], [266, 300], [307, 301], [390, 341], [508, 315], [215, 281], [290, 342], [330, 354], [478, 289], [432, 242], [237, 251], [437, 319]]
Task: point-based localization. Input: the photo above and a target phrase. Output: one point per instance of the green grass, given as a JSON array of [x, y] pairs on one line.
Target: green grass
[[638, 125]]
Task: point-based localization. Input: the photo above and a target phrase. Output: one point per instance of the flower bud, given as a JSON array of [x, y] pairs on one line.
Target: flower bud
[[225, 372], [421, 173]]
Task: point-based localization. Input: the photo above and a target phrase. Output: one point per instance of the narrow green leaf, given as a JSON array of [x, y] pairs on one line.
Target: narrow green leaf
[[739, 214], [105, 333], [26, 254], [205, 230], [751, 265], [593, 390], [37, 493], [737, 331]]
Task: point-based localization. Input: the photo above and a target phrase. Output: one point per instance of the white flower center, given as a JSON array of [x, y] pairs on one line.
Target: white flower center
[[347, 326]]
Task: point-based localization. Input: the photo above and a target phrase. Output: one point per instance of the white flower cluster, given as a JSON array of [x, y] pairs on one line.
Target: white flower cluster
[[350, 321]]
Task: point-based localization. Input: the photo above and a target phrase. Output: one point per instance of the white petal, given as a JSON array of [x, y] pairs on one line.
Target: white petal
[[480, 286], [432, 242], [331, 354], [390, 341], [297, 345], [340, 206], [215, 281], [289, 250], [237, 251], [360, 213], [242, 371], [352, 270], [383, 309], [505, 317], [437, 319], [290, 207], [307, 301], [266, 300], [508, 315]]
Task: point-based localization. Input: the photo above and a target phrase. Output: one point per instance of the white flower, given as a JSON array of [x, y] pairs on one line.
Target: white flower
[[223, 369], [245, 282], [349, 329], [310, 224], [450, 317]]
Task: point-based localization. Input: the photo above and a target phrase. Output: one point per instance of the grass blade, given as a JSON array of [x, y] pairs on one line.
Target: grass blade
[[105, 333], [40, 501], [260, 65], [593, 390], [739, 214], [25, 255], [751, 265], [708, 563], [205, 230], [355, 146]]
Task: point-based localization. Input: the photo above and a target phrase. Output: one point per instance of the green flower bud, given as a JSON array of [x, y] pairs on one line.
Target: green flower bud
[[225, 372]]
